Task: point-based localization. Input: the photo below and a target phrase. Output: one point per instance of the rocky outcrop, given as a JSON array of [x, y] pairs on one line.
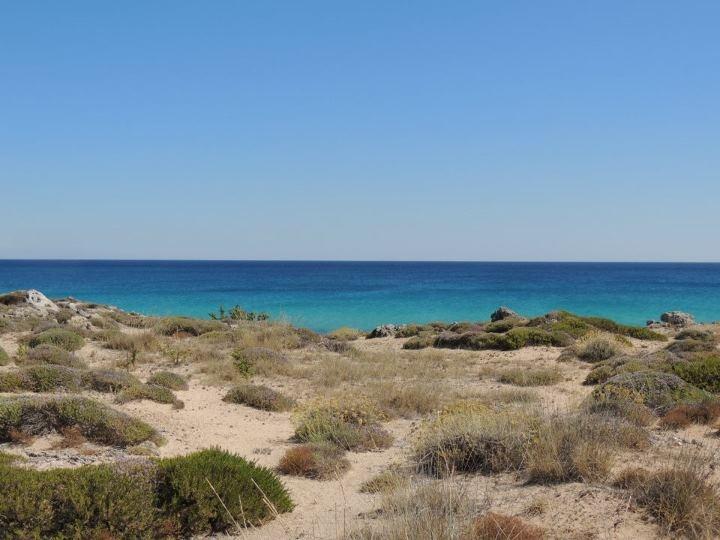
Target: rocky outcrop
[[29, 300], [503, 313], [385, 330], [677, 318]]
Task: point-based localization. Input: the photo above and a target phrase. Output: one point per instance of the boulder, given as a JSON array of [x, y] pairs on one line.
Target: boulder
[[385, 330], [30, 300], [677, 318], [503, 313]]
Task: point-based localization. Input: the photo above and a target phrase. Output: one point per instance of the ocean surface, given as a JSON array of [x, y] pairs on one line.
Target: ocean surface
[[327, 295]]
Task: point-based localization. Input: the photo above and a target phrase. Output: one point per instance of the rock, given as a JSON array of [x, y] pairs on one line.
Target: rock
[[385, 330], [677, 318], [503, 313], [30, 300]]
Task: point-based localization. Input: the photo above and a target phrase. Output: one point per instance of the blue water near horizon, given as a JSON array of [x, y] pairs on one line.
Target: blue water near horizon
[[327, 295]]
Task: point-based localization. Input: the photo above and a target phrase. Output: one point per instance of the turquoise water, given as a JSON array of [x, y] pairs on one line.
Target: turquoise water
[[326, 295]]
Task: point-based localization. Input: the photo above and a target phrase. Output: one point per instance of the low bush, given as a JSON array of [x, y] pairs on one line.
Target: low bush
[[96, 422], [320, 461], [702, 371], [60, 337], [202, 493], [637, 332], [691, 346], [51, 354], [474, 439], [346, 333], [168, 379], [211, 490], [109, 380], [531, 377], [406, 400], [63, 316], [492, 526], [4, 358], [598, 349], [503, 325], [680, 496], [515, 338], [697, 335], [684, 415], [181, 326], [421, 341], [385, 482], [120, 341], [657, 391], [152, 392], [352, 425], [257, 360], [259, 397], [41, 378]]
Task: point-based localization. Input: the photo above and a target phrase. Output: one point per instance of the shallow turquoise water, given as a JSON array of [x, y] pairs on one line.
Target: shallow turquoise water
[[326, 295]]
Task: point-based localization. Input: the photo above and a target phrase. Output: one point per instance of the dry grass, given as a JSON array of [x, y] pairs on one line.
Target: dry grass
[[259, 397], [406, 400], [684, 415], [531, 377], [386, 481], [346, 333], [493, 526], [680, 496], [439, 510], [320, 461], [72, 437]]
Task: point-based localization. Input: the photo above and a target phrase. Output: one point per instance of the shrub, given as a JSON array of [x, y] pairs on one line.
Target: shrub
[[636, 332], [261, 360], [63, 316], [321, 461], [4, 358], [93, 501], [514, 339], [97, 422], [406, 400], [258, 397], [50, 354], [120, 341], [421, 341], [503, 325], [109, 380], [207, 491], [385, 482], [680, 496], [597, 350], [702, 371], [684, 415], [201, 493], [658, 391], [352, 425], [13, 298], [345, 334], [60, 337], [474, 439], [168, 379], [691, 346], [697, 335], [41, 378], [153, 392], [179, 326], [531, 377], [492, 526]]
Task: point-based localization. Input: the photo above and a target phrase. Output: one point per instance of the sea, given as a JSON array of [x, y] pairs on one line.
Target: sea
[[324, 295]]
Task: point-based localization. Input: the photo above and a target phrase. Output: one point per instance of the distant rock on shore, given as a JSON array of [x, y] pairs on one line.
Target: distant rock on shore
[[503, 312], [677, 318]]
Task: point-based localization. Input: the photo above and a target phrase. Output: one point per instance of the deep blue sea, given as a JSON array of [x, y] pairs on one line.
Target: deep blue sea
[[326, 295]]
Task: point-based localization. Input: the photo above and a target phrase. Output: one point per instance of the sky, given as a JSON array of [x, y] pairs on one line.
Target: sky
[[513, 130]]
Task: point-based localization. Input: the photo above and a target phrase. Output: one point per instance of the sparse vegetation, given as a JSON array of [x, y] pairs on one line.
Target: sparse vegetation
[[531, 377], [684, 415], [493, 526], [168, 379], [60, 337], [182, 326], [4, 358], [345, 333], [41, 378], [259, 397], [320, 461], [50, 354], [152, 392], [97, 422], [598, 349]]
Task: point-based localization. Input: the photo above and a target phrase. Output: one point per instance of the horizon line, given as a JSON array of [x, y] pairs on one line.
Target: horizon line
[[449, 261]]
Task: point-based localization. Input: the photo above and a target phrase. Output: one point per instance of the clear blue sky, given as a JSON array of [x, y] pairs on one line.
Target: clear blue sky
[[557, 130]]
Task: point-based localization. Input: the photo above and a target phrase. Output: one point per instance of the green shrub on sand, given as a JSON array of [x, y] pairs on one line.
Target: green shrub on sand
[[4, 358], [703, 371], [178, 326], [96, 421], [51, 354], [41, 378], [259, 397], [168, 379], [60, 337], [655, 390], [152, 392], [203, 493]]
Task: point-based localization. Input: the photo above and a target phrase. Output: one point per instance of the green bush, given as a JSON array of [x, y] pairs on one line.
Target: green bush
[[168, 379], [41, 378], [658, 391], [501, 326], [60, 337], [153, 392], [4, 358], [173, 326], [597, 350], [96, 421], [345, 333], [258, 397], [176, 497], [187, 488], [703, 372], [109, 380], [51, 354], [421, 341], [697, 335], [691, 346], [93, 501], [515, 338], [636, 332], [412, 330]]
